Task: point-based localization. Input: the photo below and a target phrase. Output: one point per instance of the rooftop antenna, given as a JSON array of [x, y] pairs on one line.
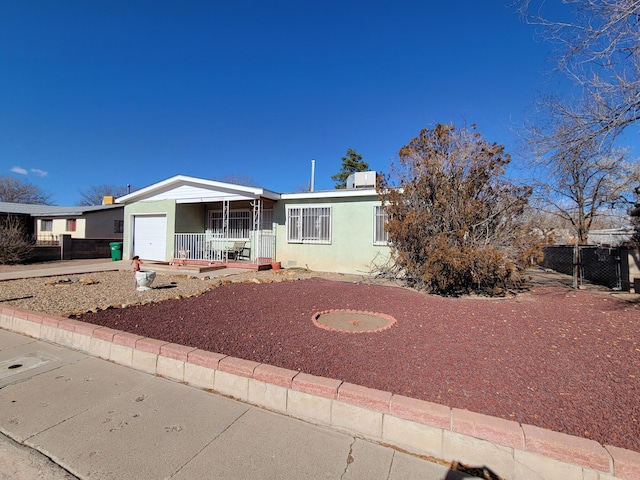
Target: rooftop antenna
[[313, 174]]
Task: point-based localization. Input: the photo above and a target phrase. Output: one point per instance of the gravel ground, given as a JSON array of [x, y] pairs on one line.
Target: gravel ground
[[562, 359], [73, 294]]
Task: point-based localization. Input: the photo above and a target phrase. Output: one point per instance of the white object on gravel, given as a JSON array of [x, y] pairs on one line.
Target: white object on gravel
[[145, 279]]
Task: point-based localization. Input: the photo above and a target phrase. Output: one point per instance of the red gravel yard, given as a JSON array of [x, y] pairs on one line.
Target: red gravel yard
[[553, 357]]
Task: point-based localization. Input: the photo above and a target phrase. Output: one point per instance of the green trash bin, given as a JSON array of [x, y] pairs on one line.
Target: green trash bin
[[116, 251]]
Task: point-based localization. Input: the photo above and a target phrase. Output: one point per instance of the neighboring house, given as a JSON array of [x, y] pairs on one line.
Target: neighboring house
[[195, 220], [611, 236], [20, 212], [47, 222], [100, 221]]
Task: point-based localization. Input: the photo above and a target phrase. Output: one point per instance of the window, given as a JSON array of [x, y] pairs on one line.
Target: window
[[309, 224], [46, 225], [71, 225], [380, 217], [239, 224], [118, 226]]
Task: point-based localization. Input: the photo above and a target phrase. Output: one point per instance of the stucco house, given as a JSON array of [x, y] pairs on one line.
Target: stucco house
[[48, 222], [193, 220]]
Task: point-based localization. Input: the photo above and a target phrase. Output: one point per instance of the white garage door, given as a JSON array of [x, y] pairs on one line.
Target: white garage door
[[150, 237]]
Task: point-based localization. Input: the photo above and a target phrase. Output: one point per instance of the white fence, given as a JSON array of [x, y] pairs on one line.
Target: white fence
[[208, 247]]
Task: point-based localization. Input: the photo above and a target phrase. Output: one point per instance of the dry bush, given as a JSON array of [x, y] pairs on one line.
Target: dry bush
[[15, 245], [456, 225]]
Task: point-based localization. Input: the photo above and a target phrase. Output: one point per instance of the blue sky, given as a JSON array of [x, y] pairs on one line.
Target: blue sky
[[134, 92]]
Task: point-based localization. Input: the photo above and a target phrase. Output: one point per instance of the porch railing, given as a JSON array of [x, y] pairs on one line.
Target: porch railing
[[209, 247], [46, 239]]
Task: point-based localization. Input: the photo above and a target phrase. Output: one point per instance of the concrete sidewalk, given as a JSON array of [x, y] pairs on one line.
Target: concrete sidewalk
[[100, 420], [63, 267], [79, 267]]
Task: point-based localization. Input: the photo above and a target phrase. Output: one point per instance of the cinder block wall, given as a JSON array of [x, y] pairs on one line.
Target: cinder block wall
[[73, 249]]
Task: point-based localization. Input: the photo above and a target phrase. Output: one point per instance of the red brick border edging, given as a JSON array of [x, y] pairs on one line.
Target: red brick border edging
[[417, 426]]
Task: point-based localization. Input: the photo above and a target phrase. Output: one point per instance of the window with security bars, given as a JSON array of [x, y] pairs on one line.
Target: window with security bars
[[380, 217], [71, 225], [309, 224], [239, 224]]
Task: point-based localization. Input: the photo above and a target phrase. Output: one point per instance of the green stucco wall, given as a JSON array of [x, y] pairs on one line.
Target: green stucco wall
[[351, 249], [190, 218], [161, 207]]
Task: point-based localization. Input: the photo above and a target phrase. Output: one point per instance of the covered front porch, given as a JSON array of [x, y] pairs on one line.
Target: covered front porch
[[258, 252], [186, 220], [237, 232]]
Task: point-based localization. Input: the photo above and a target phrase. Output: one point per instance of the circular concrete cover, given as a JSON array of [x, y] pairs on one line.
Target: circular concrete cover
[[353, 321]]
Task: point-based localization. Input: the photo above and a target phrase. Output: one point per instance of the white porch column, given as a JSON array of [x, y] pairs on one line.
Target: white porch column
[[256, 241], [225, 219]]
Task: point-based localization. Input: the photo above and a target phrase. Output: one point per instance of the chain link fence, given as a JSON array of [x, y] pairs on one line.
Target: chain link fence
[[594, 264]]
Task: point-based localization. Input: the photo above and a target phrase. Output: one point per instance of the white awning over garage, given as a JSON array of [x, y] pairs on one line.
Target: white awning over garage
[[150, 237]]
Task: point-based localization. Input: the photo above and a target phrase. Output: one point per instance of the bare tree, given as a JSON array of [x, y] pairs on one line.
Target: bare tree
[[548, 226], [455, 224], [95, 195], [580, 183], [573, 142], [13, 190], [599, 50], [15, 246]]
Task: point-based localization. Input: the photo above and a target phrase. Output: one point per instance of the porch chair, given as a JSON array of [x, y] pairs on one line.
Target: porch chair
[[236, 251]]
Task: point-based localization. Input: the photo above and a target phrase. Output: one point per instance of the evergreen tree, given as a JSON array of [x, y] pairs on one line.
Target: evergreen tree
[[352, 162]]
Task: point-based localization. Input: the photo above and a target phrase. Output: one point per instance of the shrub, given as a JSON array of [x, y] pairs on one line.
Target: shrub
[[456, 225], [15, 246]]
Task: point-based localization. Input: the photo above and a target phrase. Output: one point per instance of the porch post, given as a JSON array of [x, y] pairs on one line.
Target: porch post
[[256, 248], [225, 219]]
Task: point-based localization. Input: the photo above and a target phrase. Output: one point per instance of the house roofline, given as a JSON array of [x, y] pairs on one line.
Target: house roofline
[[338, 193], [36, 210], [252, 192], [248, 193]]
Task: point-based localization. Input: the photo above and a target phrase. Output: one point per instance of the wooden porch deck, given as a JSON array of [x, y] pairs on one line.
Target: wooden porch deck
[[199, 266]]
